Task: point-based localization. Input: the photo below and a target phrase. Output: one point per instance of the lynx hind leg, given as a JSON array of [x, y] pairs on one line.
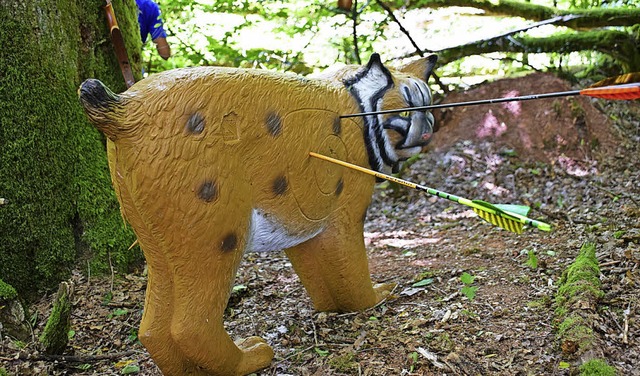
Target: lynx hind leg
[[201, 292], [334, 268]]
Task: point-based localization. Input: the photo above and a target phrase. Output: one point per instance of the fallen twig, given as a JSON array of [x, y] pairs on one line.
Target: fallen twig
[[74, 358]]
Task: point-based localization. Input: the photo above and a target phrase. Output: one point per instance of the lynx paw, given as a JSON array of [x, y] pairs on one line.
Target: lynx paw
[[256, 354]]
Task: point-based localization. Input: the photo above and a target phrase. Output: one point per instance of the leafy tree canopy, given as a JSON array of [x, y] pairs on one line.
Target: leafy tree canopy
[[472, 37]]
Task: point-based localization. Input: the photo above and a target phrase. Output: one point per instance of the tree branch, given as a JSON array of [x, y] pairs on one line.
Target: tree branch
[[419, 50], [618, 44], [588, 18], [354, 18]]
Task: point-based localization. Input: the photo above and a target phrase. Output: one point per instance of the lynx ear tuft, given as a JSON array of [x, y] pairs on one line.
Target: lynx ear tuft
[[421, 68], [370, 82]]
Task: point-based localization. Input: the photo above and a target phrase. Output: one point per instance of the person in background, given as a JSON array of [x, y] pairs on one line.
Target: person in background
[[150, 21]]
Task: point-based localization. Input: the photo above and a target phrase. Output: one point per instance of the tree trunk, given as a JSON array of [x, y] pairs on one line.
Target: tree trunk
[[53, 170]]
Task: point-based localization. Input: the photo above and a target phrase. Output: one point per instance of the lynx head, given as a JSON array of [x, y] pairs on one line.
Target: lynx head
[[393, 138]]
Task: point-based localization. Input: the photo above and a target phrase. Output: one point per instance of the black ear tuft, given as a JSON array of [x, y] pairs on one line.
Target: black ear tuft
[[431, 63], [374, 59]]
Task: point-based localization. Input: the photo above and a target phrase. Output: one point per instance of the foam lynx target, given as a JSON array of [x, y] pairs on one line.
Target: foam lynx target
[[211, 162]]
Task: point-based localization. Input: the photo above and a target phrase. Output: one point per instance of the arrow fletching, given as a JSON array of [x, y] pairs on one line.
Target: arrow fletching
[[615, 92], [509, 217]]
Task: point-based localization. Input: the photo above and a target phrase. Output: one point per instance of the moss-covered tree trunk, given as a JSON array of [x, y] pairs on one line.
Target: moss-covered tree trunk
[[53, 169]]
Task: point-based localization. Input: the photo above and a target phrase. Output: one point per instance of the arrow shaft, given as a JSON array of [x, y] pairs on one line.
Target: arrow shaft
[[461, 200], [469, 103], [616, 92]]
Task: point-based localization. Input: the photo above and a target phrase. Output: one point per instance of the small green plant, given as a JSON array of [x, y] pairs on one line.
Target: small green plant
[[130, 369], [107, 298], [423, 282], [133, 335], [321, 352], [468, 290], [413, 359], [468, 313], [118, 312], [19, 344], [618, 234], [532, 260], [564, 365], [83, 367]]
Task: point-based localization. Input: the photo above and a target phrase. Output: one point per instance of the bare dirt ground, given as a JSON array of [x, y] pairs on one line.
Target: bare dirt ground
[[575, 161]]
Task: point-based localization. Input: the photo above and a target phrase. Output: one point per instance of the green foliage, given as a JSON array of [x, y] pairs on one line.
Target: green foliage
[[130, 369], [468, 290], [56, 182], [321, 352], [467, 278], [7, 292], [597, 367], [224, 33], [413, 360], [532, 259]]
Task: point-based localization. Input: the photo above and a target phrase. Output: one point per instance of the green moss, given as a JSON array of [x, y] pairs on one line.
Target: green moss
[[7, 292], [579, 284], [576, 331], [597, 367], [343, 363], [57, 182], [580, 281], [54, 337]]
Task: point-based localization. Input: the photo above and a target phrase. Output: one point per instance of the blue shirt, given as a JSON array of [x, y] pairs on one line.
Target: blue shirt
[[150, 20]]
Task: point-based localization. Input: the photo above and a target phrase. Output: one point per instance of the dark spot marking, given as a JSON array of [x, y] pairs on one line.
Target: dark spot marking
[[337, 126], [208, 191], [280, 185], [339, 187], [195, 124], [229, 243], [274, 124]]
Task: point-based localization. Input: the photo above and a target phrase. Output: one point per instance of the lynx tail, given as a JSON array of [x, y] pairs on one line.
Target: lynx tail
[[104, 108]]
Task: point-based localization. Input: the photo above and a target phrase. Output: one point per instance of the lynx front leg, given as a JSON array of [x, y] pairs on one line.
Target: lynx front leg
[[334, 268]]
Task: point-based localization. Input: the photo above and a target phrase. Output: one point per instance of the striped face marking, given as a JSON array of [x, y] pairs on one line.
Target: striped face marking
[[368, 87], [413, 128], [391, 139]]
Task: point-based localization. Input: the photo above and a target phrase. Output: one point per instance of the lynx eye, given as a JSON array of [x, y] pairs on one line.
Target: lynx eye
[[405, 113]]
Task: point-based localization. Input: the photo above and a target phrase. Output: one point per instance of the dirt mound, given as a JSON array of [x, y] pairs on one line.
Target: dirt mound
[[543, 130]]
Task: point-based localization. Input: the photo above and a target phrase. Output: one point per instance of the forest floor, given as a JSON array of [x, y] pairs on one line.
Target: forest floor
[[471, 299]]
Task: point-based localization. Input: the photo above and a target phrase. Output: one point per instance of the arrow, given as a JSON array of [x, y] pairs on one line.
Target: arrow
[[615, 88], [509, 217]]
